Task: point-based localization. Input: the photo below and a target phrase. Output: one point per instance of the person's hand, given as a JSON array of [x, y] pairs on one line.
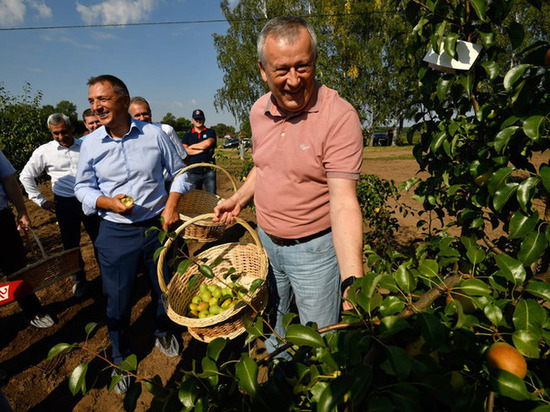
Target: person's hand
[[23, 222], [170, 218], [49, 205], [345, 304], [226, 211], [117, 206]]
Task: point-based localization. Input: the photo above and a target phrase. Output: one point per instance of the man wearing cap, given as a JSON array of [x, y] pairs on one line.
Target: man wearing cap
[[200, 143]]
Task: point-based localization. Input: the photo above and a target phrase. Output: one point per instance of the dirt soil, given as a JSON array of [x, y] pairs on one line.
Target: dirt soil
[[31, 382]]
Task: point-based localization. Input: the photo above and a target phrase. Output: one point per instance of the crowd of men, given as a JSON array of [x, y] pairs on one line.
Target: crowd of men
[[307, 152]]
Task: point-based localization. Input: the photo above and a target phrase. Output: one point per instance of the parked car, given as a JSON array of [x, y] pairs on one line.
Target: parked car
[[379, 139], [230, 143]]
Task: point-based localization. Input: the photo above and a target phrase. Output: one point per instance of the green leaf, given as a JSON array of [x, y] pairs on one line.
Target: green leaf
[[255, 285], [526, 192], [503, 137], [513, 75], [532, 248], [538, 289], [475, 287], [480, 7], [516, 34], [503, 195], [511, 268], [400, 361], [529, 315], [429, 268], [404, 278], [449, 44], [437, 141], [488, 40], [77, 380], [57, 349], [527, 343], [193, 281], [216, 347], [532, 126], [522, 224], [333, 394], [183, 266], [432, 329], [492, 69], [498, 179], [129, 364], [209, 367], [493, 313], [467, 81], [509, 385], [443, 86], [288, 318], [91, 327], [247, 375], [544, 173], [369, 283], [206, 271], [304, 335], [391, 305], [188, 392]]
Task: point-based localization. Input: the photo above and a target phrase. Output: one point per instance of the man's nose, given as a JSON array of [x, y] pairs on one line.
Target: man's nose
[[293, 79]]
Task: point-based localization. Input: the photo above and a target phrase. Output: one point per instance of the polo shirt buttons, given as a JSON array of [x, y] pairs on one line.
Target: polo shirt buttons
[[283, 134]]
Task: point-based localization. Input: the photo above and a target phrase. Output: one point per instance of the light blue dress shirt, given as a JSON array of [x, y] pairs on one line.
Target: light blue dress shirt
[[6, 169], [133, 166]]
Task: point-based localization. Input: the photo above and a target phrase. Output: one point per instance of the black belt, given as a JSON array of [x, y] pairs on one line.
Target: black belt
[[279, 241]]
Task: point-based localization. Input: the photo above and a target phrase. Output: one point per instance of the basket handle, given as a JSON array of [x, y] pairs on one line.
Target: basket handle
[[44, 255], [195, 165], [168, 243]]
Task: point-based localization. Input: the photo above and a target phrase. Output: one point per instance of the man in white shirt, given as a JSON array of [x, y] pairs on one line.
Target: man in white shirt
[[59, 159], [140, 110]]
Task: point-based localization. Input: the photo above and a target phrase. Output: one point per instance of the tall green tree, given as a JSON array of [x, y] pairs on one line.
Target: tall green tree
[[22, 125], [170, 119], [68, 109]]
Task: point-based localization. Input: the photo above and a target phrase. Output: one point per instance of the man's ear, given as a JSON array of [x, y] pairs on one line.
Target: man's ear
[[262, 71]]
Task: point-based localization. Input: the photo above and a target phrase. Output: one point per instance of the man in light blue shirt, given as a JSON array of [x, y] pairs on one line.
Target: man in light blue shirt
[[127, 157]]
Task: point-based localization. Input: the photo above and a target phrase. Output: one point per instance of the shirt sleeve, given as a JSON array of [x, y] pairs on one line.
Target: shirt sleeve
[[173, 135], [30, 172], [86, 188]]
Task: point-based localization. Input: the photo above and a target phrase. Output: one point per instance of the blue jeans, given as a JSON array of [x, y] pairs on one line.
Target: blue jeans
[[121, 248], [208, 179], [309, 273]]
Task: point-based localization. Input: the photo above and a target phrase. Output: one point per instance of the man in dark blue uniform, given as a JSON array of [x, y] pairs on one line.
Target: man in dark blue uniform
[[200, 143]]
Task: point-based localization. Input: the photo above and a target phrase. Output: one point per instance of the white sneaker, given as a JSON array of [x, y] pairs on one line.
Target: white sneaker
[[122, 386], [42, 321], [80, 288], [168, 345]]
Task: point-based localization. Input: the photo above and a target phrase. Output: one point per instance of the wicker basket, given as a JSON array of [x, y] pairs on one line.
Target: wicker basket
[[248, 259], [49, 269], [198, 202]]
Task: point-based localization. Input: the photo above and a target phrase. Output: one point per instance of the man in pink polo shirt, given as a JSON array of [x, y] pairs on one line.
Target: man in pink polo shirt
[[307, 151]]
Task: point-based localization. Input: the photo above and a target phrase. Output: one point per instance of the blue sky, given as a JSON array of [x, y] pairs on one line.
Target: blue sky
[[173, 66]]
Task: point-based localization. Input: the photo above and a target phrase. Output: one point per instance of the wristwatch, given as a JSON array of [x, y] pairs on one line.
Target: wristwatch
[[347, 282]]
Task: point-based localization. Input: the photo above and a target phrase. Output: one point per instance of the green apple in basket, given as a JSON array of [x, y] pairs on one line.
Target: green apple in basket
[[212, 300]]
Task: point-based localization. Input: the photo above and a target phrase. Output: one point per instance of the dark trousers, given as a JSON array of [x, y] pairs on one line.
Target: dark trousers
[[206, 179], [13, 257], [70, 216], [121, 249]]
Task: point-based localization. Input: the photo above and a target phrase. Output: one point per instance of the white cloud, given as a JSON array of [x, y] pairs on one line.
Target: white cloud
[[44, 12], [116, 11], [12, 12]]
